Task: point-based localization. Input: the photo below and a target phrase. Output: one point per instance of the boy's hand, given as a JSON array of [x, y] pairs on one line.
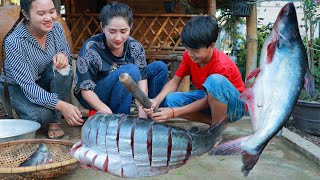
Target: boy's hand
[[162, 115], [154, 106]]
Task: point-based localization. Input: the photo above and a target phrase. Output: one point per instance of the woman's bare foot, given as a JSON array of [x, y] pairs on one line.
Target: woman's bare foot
[[54, 131]]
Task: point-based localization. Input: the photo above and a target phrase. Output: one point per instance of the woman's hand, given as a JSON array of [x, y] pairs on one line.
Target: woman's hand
[[141, 112], [154, 106], [60, 60], [105, 109], [70, 112], [93, 100]]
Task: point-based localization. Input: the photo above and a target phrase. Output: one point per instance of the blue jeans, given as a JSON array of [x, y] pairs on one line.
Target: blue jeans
[[51, 81], [220, 88], [111, 91]]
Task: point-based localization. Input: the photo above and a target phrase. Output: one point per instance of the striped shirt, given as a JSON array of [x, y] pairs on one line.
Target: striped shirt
[[27, 60]]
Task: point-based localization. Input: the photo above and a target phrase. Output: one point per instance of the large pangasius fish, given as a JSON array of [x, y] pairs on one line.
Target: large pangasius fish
[[278, 81], [126, 146]]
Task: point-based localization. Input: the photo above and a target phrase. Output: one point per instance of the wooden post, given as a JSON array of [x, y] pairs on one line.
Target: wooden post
[[57, 4], [252, 41], [67, 6], [212, 7], [7, 3], [73, 6]]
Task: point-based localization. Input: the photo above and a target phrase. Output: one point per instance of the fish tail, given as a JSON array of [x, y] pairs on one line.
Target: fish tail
[[249, 161], [234, 148], [229, 148]]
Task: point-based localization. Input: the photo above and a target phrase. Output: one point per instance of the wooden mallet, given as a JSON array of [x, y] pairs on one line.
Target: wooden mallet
[[136, 92]]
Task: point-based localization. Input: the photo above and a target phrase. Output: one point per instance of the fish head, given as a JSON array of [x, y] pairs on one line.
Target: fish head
[[43, 148], [286, 28], [284, 37]]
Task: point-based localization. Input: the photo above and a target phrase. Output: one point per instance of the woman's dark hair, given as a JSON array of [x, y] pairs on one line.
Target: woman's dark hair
[[25, 6], [114, 9], [199, 32]]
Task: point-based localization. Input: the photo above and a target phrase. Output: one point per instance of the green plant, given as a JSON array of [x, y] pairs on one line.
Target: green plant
[[316, 62], [305, 96], [263, 32], [311, 19], [231, 24], [241, 52]]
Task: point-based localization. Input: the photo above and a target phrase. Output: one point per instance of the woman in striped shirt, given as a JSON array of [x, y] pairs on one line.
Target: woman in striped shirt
[[37, 68]]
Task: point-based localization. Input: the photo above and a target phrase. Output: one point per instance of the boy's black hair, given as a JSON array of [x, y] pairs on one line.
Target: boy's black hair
[[114, 9], [199, 32]]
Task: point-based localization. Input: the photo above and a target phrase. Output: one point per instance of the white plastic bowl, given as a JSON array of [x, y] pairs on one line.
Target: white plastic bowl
[[16, 129]]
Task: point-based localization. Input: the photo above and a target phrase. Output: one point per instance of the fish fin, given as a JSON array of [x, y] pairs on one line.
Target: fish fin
[[194, 130], [271, 49], [222, 122], [252, 74], [232, 147], [309, 83], [75, 147], [248, 97], [249, 161], [84, 166]]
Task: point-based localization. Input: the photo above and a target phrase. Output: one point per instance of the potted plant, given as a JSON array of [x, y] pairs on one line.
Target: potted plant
[[306, 114]]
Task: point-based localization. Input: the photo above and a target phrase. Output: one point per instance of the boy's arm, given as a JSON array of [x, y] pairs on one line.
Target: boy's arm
[[166, 113], [171, 86]]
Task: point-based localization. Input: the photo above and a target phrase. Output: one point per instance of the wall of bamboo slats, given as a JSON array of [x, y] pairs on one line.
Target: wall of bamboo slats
[[137, 6], [154, 32]]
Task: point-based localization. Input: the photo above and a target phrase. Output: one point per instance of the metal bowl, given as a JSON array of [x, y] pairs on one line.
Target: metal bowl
[[16, 129]]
